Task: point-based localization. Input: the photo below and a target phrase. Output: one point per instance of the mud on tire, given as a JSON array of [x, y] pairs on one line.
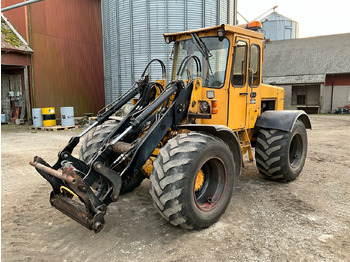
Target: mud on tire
[[192, 180], [281, 155]]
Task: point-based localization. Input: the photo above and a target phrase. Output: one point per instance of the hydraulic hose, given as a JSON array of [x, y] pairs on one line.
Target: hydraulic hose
[[161, 64], [171, 89], [184, 63]]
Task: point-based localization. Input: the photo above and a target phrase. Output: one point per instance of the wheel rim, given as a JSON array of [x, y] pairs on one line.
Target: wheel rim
[[212, 174], [296, 151]]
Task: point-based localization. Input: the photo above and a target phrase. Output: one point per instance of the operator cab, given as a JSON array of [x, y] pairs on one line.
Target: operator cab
[[211, 46], [225, 61]]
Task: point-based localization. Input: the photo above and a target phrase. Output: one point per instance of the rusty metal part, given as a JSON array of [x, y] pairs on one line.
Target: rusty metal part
[[78, 212], [71, 208], [82, 190], [90, 212], [121, 147], [56, 173], [54, 181]]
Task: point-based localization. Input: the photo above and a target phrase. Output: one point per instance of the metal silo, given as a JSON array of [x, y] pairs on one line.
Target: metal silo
[[279, 27], [133, 34]]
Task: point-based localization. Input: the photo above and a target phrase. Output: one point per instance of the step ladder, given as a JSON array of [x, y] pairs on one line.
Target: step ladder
[[246, 146]]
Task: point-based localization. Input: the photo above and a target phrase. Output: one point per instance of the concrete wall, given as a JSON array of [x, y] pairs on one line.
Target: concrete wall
[[341, 97], [311, 92], [287, 97], [318, 95], [313, 95], [326, 94]]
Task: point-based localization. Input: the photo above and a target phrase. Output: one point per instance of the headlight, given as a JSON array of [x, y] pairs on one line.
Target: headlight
[[221, 33], [210, 94], [204, 107], [168, 40]]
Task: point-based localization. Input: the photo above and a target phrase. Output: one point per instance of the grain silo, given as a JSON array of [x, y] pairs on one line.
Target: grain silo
[[133, 34], [279, 27]]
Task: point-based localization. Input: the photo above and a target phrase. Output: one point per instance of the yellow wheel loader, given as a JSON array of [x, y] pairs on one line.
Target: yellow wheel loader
[[187, 136]]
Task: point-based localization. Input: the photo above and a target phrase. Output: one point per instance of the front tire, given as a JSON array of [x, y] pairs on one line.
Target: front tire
[[281, 155], [92, 144], [192, 180]]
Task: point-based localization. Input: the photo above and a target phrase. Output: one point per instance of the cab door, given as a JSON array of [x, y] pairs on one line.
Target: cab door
[[254, 82], [239, 87]]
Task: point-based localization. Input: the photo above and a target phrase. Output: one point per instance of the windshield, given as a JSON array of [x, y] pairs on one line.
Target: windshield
[[213, 75]]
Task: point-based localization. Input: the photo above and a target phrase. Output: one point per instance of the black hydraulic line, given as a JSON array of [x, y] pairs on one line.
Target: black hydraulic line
[[171, 117], [134, 124], [186, 60], [184, 63], [156, 103], [100, 188], [161, 64], [102, 118], [145, 95]]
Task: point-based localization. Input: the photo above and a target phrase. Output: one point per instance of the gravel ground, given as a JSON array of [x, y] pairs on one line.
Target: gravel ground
[[305, 220]]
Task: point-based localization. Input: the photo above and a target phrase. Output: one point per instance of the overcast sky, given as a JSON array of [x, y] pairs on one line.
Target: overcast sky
[[314, 17]]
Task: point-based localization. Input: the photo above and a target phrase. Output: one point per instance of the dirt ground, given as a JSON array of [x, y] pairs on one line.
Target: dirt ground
[[305, 220]]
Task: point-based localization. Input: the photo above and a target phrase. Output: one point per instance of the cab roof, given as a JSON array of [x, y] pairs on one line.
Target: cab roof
[[239, 29]]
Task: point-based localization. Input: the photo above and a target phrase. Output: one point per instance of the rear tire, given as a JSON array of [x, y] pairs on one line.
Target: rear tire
[[281, 155], [192, 180], [93, 143]]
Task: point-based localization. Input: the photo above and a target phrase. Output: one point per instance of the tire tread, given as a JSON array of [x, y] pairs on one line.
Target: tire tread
[[272, 152], [167, 180]]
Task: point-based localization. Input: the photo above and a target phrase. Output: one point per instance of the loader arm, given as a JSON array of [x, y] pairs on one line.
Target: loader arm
[[73, 181]]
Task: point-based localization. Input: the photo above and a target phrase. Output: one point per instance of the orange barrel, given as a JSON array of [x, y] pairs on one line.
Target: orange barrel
[[49, 118]]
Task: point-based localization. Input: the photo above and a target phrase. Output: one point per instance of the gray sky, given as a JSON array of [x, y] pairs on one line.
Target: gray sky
[[314, 17]]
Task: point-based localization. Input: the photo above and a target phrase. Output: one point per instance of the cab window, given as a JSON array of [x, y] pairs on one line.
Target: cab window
[[254, 66], [239, 67], [214, 70]]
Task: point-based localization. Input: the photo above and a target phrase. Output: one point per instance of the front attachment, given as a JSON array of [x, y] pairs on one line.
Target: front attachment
[[83, 190], [73, 196], [78, 212]]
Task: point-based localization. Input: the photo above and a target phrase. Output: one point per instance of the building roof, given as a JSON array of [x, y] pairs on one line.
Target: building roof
[[11, 40], [306, 60], [274, 16]]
